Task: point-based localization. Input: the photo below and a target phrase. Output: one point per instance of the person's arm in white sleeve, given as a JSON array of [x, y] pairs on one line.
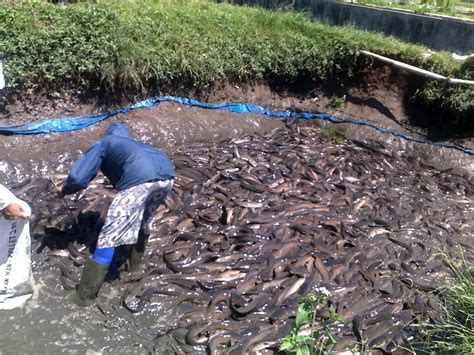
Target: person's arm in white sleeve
[[6, 197], [9, 207]]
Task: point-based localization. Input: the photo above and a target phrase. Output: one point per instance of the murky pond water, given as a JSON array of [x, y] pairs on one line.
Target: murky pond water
[[167, 126]]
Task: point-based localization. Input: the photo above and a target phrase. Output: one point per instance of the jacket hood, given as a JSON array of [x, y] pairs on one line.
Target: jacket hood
[[118, 129]]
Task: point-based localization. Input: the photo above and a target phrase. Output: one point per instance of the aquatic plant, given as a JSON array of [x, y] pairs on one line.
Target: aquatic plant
[[308, 335], [329, 132]]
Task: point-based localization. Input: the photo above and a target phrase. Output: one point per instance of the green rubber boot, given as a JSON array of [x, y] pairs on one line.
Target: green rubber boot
[[92, 278], [134, 260], [137, 253]]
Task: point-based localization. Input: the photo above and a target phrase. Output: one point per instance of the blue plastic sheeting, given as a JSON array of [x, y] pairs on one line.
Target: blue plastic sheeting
[[75, 123]]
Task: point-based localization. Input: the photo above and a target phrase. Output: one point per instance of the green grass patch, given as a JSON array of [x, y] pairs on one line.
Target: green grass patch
[[144, 46], [435, 7], [335, 102], [455, 334], [468, 5]]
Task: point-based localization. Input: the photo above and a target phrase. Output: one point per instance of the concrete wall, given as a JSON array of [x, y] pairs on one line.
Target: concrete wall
[[454, 35]]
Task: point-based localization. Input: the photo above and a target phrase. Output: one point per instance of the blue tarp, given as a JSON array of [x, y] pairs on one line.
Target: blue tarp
[[65, 124]]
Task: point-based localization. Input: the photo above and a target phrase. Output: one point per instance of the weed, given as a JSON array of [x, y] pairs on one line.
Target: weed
[[335, 102], [308, 337], [329, 132]]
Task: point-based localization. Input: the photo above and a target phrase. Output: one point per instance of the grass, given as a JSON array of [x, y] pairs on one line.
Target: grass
[[445, 7], [329, 132], [455, 335], [469, 5], [142, 46]]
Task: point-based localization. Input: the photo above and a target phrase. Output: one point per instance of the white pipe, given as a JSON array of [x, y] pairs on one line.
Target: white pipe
[[417, 70]]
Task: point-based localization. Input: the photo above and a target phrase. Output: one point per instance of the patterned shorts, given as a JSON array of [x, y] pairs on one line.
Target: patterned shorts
[[128, 209]]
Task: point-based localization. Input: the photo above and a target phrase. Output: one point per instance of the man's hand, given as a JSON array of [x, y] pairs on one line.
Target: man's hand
[[57, 190], [13, 211]]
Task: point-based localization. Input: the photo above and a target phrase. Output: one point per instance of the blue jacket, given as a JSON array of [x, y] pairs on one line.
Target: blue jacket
[[124, 161]]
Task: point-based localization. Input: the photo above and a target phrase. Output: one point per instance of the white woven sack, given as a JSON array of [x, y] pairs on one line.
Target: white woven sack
[[16, 280]]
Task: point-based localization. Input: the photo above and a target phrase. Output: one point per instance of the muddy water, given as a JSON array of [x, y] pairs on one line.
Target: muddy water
[[47, 324], [167, 126], [437, 157]]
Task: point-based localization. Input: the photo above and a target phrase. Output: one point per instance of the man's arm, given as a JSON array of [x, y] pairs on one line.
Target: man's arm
[[84, 170]]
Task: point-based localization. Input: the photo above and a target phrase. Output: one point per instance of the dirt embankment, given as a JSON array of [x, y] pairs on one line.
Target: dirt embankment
[[379, 93]]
